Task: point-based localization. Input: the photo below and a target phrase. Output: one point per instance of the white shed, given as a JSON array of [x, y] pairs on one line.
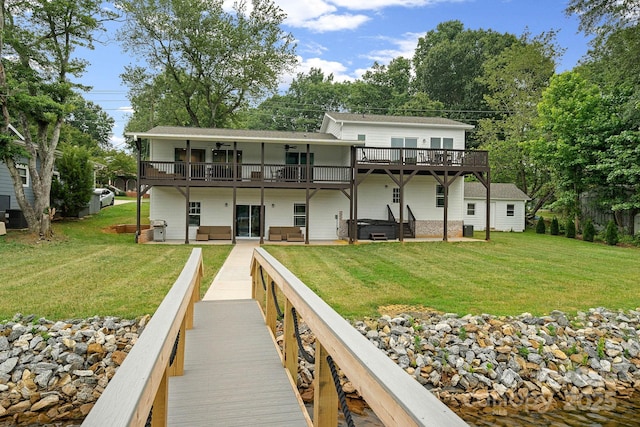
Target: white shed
[[507, 206]]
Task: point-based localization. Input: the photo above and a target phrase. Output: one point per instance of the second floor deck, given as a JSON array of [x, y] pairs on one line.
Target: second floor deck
[[363, 159]]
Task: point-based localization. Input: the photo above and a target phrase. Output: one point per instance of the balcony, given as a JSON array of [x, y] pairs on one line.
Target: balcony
[[422, 158], [300, 176], [245, 174]]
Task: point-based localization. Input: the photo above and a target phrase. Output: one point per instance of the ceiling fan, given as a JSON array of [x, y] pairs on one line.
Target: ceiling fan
[[220, 144], [288, 147]]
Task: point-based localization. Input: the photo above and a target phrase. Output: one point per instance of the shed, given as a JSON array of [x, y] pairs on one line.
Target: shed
[[508, 206]]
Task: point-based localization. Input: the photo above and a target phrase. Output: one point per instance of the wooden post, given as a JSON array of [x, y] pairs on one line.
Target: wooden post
[[290, 342], [161, 403], [271, 315], [177, 369], [325, 396]]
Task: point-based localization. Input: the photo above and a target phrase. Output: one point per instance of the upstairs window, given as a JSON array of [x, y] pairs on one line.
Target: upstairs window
[[362, 137], [442, 143]]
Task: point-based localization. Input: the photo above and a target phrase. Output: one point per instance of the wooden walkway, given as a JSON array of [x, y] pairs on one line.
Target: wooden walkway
[[233, 375]]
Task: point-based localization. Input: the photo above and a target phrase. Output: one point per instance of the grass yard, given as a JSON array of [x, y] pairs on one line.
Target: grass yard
[[511, 274], [88, 271]]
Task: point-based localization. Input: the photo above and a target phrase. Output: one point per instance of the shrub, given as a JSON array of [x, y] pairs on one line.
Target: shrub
[[611, 234], [570, 229], [555, 227], [589, 231], [540, 227]]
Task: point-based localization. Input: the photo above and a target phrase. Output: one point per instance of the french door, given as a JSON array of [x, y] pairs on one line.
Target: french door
[[248, 220]]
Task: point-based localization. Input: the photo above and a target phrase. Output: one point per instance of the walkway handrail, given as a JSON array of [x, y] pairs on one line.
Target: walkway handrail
[[141, 382], [395, 397]]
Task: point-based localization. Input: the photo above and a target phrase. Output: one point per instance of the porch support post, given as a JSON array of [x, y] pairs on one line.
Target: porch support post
[[188, 192], [445, 235], [262, 209], [234, 229], [354, 197], [138, 189], [401, 189], [487, 229], [306, 211]]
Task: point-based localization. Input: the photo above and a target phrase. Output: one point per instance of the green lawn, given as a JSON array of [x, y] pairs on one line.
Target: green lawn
[[511, 274], [86, 271]]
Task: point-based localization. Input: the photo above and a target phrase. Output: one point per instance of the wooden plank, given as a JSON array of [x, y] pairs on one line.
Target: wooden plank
[[233, 372], [325, 401]]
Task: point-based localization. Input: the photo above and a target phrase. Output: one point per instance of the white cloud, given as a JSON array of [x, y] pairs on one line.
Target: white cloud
[[404, 46], [334, 22], [339, 70], [312, 48], [381, 4]]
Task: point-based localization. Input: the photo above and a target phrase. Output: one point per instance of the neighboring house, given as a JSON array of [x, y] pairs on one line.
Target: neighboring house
[[508, 206], [8, 203], [407, 172]]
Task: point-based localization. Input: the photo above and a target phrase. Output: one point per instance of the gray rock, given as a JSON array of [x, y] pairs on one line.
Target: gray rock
[[7, 366], [4, 343]]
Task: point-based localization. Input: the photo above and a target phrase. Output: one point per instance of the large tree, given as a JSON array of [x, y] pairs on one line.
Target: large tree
[[515, 80], [575, 120], [601, 16], [39, 38], [449, 60], [202, 63], [302, 106]]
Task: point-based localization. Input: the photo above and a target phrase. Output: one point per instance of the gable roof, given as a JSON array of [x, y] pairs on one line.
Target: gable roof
[[238, 135], [499, 191], [392, 120]]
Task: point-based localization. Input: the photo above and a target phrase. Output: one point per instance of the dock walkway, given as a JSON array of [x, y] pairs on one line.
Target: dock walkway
[[233, 375]]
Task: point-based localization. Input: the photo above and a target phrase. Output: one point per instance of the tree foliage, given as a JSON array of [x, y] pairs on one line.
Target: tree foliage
[[449, 60], [38, 42], [515, 80], [574, 120], [203, 64], [302, 106], [74, 189], [601, 16]]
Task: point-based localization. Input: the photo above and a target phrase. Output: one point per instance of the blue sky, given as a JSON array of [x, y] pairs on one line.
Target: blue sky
[[345, 37]]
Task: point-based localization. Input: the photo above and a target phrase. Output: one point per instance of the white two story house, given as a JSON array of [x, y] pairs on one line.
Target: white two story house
[[358, 176]]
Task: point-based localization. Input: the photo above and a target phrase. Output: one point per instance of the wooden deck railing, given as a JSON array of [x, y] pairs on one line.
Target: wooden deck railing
[[141, 383], [395, 397], [425, 157], [177, 171]]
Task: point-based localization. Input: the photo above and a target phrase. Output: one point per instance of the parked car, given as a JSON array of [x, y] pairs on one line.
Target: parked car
[[106, 196]]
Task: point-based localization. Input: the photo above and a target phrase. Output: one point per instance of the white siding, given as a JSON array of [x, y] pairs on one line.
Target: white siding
[[380, 136], [168, 204], [501, 222], [376, 192], [324, 155]]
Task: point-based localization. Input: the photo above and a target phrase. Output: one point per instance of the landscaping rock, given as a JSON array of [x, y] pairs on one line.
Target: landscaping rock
[[56, 370]]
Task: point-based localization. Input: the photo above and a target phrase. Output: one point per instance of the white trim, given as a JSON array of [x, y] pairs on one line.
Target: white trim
[[27, 176]]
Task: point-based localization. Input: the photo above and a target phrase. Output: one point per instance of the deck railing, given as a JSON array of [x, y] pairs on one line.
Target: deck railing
[[141, 382], [155, 170], [422, 157], [395, 397]]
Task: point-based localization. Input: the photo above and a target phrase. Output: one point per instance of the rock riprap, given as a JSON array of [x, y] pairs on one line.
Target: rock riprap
[[55, 371], [523, 362]]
